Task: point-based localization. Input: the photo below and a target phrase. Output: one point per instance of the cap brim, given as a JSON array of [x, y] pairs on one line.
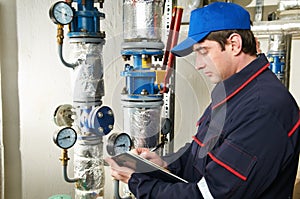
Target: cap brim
[[186, 46]]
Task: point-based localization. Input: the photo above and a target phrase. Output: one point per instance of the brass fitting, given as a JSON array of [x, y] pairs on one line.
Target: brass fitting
[[60, 34], [64, 157]]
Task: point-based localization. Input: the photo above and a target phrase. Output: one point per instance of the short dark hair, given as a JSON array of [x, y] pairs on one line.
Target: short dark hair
[[248, 39]]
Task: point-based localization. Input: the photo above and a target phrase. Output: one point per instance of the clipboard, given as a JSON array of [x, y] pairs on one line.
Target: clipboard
[[142, 165]]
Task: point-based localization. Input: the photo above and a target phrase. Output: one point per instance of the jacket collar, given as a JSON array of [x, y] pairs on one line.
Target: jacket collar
[[227, 89]]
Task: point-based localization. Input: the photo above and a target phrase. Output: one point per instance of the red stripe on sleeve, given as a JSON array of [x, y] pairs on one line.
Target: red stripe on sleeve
[[198, 141], [227, 167], [294, 128]]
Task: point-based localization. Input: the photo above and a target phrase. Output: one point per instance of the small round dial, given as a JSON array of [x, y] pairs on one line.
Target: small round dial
[[118, 143], [61, 13], [65, 138]]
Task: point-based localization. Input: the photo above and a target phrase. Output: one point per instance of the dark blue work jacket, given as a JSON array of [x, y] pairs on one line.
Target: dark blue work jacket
[[246, 146]]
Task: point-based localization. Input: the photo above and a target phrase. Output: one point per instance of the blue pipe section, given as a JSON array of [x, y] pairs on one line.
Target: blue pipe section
[[137, 81], [277, 64], [86, 21], [138, 78], [137, 62]]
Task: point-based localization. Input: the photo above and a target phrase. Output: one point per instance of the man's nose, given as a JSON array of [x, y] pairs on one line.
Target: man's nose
[[200, 64]]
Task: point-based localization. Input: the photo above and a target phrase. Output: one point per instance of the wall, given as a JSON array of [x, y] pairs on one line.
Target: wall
[[34, 83], [10, 98]]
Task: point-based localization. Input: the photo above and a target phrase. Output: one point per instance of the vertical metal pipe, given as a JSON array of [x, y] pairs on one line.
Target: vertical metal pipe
[[88, 90]]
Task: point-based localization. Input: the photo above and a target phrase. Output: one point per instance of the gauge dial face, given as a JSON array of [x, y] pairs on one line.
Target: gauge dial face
[[61, 13], [122, 143], [66, 138], [119, 143]]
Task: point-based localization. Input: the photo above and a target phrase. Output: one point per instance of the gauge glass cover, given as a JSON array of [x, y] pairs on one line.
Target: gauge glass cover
[[66, 138], [122, 144], [62, 13], [118, 143]]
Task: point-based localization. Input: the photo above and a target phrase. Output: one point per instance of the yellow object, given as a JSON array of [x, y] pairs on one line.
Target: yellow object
[[160, 76], [146, 61], [64, 159], [60, 34]]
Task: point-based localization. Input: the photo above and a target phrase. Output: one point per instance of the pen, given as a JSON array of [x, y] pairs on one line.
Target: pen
[[157, 147]]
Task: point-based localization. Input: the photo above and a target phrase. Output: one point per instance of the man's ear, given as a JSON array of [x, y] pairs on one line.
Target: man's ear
[[235, 41]]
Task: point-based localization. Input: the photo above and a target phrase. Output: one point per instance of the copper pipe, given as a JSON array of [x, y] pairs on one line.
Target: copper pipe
[[173, 42], [169, 41]]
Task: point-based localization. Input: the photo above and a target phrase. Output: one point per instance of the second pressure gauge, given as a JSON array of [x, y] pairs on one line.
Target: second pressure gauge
[[61, 13], [118, 143], [65, 138]]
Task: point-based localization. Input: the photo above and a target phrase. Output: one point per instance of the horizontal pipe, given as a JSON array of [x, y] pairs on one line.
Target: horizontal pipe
[[265, 28]]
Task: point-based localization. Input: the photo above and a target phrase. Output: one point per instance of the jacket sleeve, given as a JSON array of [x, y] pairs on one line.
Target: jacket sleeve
[[244, 166], [145, 187], [256, 159], [176, 161]]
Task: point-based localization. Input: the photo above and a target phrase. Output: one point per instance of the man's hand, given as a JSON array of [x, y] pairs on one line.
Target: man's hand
[[151, 156], [119, 173], [124, 173]]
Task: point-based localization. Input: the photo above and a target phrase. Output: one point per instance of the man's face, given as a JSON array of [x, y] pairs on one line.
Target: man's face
[[215, 63]]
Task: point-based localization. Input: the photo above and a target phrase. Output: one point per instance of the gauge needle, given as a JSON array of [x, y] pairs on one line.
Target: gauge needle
[[62, 13], [121, 145], [63, 138]]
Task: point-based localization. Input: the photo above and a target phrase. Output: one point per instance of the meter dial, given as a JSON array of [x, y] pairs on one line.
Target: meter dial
[[65, 138], [118, 143], [61, 13], [63, 115]]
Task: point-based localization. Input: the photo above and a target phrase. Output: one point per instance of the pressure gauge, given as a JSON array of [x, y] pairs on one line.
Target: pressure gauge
[[63, 115], [118, 143], [65, 138], [61, 13]]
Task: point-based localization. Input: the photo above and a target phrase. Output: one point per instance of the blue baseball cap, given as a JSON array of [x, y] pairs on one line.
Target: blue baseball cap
[[213, 17]]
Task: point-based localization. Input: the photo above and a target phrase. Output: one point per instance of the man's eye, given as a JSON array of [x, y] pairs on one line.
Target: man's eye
[[201, 50]]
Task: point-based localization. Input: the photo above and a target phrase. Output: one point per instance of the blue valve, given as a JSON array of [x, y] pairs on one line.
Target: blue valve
[[101, 120]]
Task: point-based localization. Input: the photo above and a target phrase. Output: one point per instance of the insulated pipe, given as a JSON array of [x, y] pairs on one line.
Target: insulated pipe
[[92, 121], [265, 28], [141, 101], [279, 28], [88, 89]]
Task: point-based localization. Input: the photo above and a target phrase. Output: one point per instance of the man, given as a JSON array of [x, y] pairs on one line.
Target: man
[[247, 143]]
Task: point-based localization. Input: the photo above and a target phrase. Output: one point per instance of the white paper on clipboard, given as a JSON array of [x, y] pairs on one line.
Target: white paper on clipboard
[[142, 165]]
